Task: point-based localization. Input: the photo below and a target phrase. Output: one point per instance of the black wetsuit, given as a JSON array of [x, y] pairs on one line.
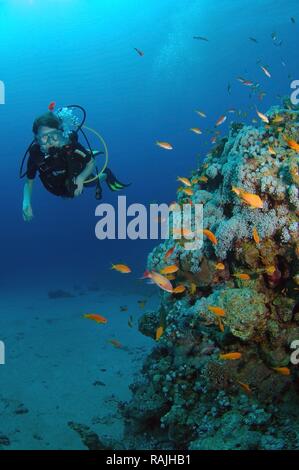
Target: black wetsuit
[[58, 170]]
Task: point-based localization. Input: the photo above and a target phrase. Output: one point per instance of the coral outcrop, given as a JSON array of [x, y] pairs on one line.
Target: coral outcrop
[[241, 296]]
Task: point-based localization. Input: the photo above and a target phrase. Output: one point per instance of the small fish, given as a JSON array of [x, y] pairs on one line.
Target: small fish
[[270, 270], [242, 276], [159, 280], [210, 235], [115, 343], [253, 200], [51, 106], [203, 179], [186, 232], [95, 317], [253, 39], [170, 277], [169, 252], [184, 180], [192, 288], [277, 119], [231, 110], [201, 114], [220, 312], [293, 20], [200, 38], [232, 356], [229, 89], [266, 71], [245, 387], [164, 145], [196, 130], [130, 321], [282, 370], [141, 53], [262, 116], [255, 235], [141, 303], [293, 144], [188, 191], [220, 266], [213, 139], [220, 324], [271, 150], [121, 268], [159, 332], [123, 308], [221, 120], [169, 269], [179, 289]]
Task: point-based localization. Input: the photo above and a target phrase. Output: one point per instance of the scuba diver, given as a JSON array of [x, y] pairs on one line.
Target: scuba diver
[[64, 165]]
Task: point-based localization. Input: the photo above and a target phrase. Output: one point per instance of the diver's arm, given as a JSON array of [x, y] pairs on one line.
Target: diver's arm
[[27, 196], [88, 170]]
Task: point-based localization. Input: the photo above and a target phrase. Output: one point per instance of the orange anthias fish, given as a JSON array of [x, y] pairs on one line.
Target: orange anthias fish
[[169, 252], [253, 200], [210, 236], [179, 289], [121, 268], [169, 269], [266, 71], [159, 280], [220, 325], [262, 116], [51, 106], [255, 235], [164, 145], [245, 387], [220, 266], [243, 276], [186, 232], [95, 317], [232, 356], [293, 145], [282, 370], [221, 120], [203, 179], [159, 332], [184, 180], [188, 191], [271, 150], [220, 312], [196, 130]]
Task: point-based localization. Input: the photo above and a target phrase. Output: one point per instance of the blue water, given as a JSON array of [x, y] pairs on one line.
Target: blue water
[[74, 51]]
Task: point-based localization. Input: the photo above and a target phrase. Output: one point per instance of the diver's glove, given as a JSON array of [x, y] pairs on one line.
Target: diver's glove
[[113, 182]]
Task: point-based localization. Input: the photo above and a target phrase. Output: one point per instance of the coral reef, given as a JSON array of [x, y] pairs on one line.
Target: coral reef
[[192, 396]]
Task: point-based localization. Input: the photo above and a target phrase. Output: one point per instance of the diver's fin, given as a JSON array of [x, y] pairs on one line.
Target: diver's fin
[[113, 182]]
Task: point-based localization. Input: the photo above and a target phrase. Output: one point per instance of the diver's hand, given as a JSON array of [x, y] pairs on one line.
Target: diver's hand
[[27, 213], [79, 182]]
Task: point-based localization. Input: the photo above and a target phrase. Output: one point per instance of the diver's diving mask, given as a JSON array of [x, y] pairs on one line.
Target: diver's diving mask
[[53, 137]]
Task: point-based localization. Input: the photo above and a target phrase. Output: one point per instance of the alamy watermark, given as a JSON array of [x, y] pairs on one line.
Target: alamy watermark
[[179, 222], [295, 94], [2, 92], [2, 353], [295, 355]]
